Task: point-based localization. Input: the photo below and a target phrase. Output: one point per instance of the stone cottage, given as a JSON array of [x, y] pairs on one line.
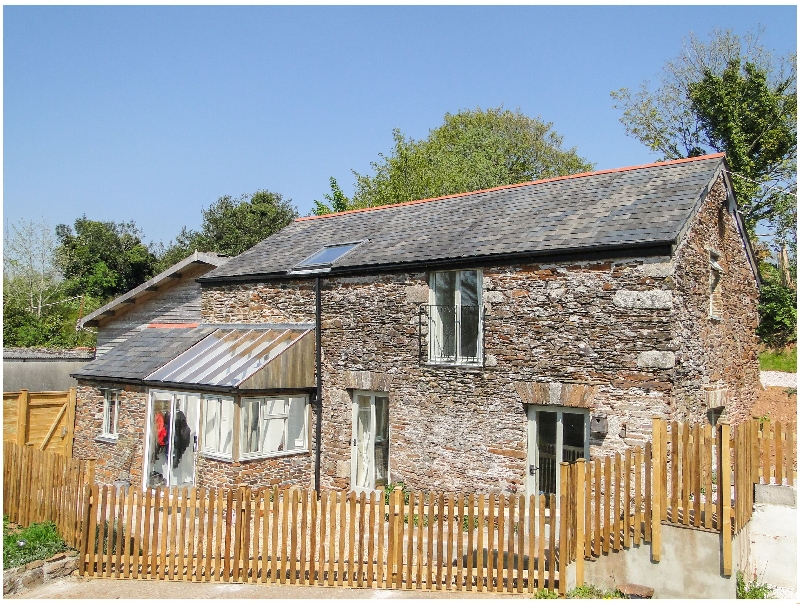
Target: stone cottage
[[470, 342]]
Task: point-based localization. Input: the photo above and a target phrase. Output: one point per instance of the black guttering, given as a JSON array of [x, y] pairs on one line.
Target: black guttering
[[318, 394], [652, 248]]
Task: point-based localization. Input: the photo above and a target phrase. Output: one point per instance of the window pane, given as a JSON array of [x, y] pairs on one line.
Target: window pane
[[328, 255], [275, 407], [226, 427], [250, 425], [546, 427], [468, 282], [470, 328], [443, 317], [107, 413], [274, 433], [158, 466], [211, 425], [381, 440], [363, 474], [572, 447], [296, 423]]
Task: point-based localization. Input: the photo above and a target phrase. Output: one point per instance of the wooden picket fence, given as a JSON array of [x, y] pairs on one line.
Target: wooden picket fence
[[482, 543], [778, 452], [40, 486]]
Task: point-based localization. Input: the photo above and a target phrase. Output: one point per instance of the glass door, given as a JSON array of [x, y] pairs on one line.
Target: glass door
[[370, 448], [555, 435], [173, 423]]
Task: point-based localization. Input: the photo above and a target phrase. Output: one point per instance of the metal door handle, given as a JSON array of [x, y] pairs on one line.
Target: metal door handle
[[532, 470]]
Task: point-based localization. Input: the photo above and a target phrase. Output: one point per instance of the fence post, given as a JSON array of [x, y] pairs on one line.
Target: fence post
[[563, 547], [22, 417], [71, 403], [580, 545], [724, 495], [655, 516]]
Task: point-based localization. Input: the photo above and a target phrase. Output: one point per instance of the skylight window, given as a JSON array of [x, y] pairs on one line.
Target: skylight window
[[329, 254]]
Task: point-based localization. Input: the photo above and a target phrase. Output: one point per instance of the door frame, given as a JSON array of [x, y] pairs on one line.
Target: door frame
[[149, 428], [354, 441], [532, 482]]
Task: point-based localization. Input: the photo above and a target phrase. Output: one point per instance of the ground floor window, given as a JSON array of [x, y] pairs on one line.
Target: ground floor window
[[370, 449], [273, 425], [110, 427], [182, 425], [555, 435]]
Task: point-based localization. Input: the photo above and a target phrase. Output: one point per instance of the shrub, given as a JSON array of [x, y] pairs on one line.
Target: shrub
[[752, 590], [545, 594], [592, 592]]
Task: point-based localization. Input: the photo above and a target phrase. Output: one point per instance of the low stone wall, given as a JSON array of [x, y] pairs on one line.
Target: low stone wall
[[33, 574]]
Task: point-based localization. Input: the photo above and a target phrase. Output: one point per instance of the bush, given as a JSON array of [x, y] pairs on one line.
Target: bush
[[545, 594], [778, 314], [752, 590], [42, 542], [592, 592]]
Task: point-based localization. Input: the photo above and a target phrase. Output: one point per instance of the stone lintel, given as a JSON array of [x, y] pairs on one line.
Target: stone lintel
[[556, 393], [367, 380]]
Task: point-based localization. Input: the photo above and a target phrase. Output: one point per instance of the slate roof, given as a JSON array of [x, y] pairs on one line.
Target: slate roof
[[643, 205], [143, 353]]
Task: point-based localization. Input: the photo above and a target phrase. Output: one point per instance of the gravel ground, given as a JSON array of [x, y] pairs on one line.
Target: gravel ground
[[778, 378]]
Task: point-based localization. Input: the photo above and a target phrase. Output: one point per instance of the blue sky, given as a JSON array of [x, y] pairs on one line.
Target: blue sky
[[150, 113]]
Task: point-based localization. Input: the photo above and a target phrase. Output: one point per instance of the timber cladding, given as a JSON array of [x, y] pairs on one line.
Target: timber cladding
[[45, 420]]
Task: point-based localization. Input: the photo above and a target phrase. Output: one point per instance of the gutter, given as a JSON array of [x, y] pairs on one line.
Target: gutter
[[654, 248]]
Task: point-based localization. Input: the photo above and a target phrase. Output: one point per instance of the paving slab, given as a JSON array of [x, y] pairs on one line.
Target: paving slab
[[74, 587]]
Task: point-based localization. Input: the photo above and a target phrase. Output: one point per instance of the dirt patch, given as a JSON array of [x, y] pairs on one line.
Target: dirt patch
[[780, 404]]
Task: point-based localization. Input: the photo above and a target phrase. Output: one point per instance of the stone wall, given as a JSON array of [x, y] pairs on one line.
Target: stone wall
[[132, 420], [717, 357], [22, 578], [606, 325]]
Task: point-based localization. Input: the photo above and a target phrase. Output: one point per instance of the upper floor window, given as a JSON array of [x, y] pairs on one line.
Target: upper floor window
[[456, 318], [110, 414], [715, 279]]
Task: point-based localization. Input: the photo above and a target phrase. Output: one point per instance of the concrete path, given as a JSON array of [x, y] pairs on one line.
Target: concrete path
[[74, 587], [778, 378]]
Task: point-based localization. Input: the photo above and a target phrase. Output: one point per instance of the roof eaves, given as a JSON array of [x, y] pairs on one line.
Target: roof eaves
[[195, 258]]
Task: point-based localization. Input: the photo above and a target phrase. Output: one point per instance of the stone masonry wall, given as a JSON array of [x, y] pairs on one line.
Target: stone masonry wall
[[605, 324], [715, 354], [89, 423]]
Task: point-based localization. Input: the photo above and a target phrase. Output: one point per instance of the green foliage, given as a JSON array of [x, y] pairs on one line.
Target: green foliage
[[231, 226], [471, 150], [778, 360], [337, 201], [592, 592], [111, 535], [545, 594], [43, 541], [777, 310], [726, 95], [752, 590], [755, 123], [102, 259]]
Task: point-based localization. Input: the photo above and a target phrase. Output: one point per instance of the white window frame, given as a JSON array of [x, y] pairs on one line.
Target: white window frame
[[110, 428], [715, 272], [459, 358], [205, 449], [372, 395], [284, 416]]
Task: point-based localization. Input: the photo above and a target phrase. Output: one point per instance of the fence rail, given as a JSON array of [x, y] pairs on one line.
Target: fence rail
[[482, 543], [693, 476], [40, 486]]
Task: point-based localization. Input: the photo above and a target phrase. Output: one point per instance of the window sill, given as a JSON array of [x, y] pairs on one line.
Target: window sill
[[262, 456], [109, 439], [217, 456], [715, 319], [455, 365]]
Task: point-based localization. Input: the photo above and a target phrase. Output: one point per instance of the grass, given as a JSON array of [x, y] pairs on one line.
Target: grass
[[592, 592], [778, 360], [752, 590], [42, 542]]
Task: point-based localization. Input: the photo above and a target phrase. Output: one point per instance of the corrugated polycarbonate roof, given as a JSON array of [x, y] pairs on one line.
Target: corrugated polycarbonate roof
[[228, 356]]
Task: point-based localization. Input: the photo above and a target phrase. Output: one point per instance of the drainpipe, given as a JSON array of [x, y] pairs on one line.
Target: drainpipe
[[318, 349]]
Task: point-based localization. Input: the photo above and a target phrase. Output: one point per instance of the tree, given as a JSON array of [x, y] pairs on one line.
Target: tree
[[30, 276], [231, 226], [732, 97], [471, 150], [102, 259], [777, 309]]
